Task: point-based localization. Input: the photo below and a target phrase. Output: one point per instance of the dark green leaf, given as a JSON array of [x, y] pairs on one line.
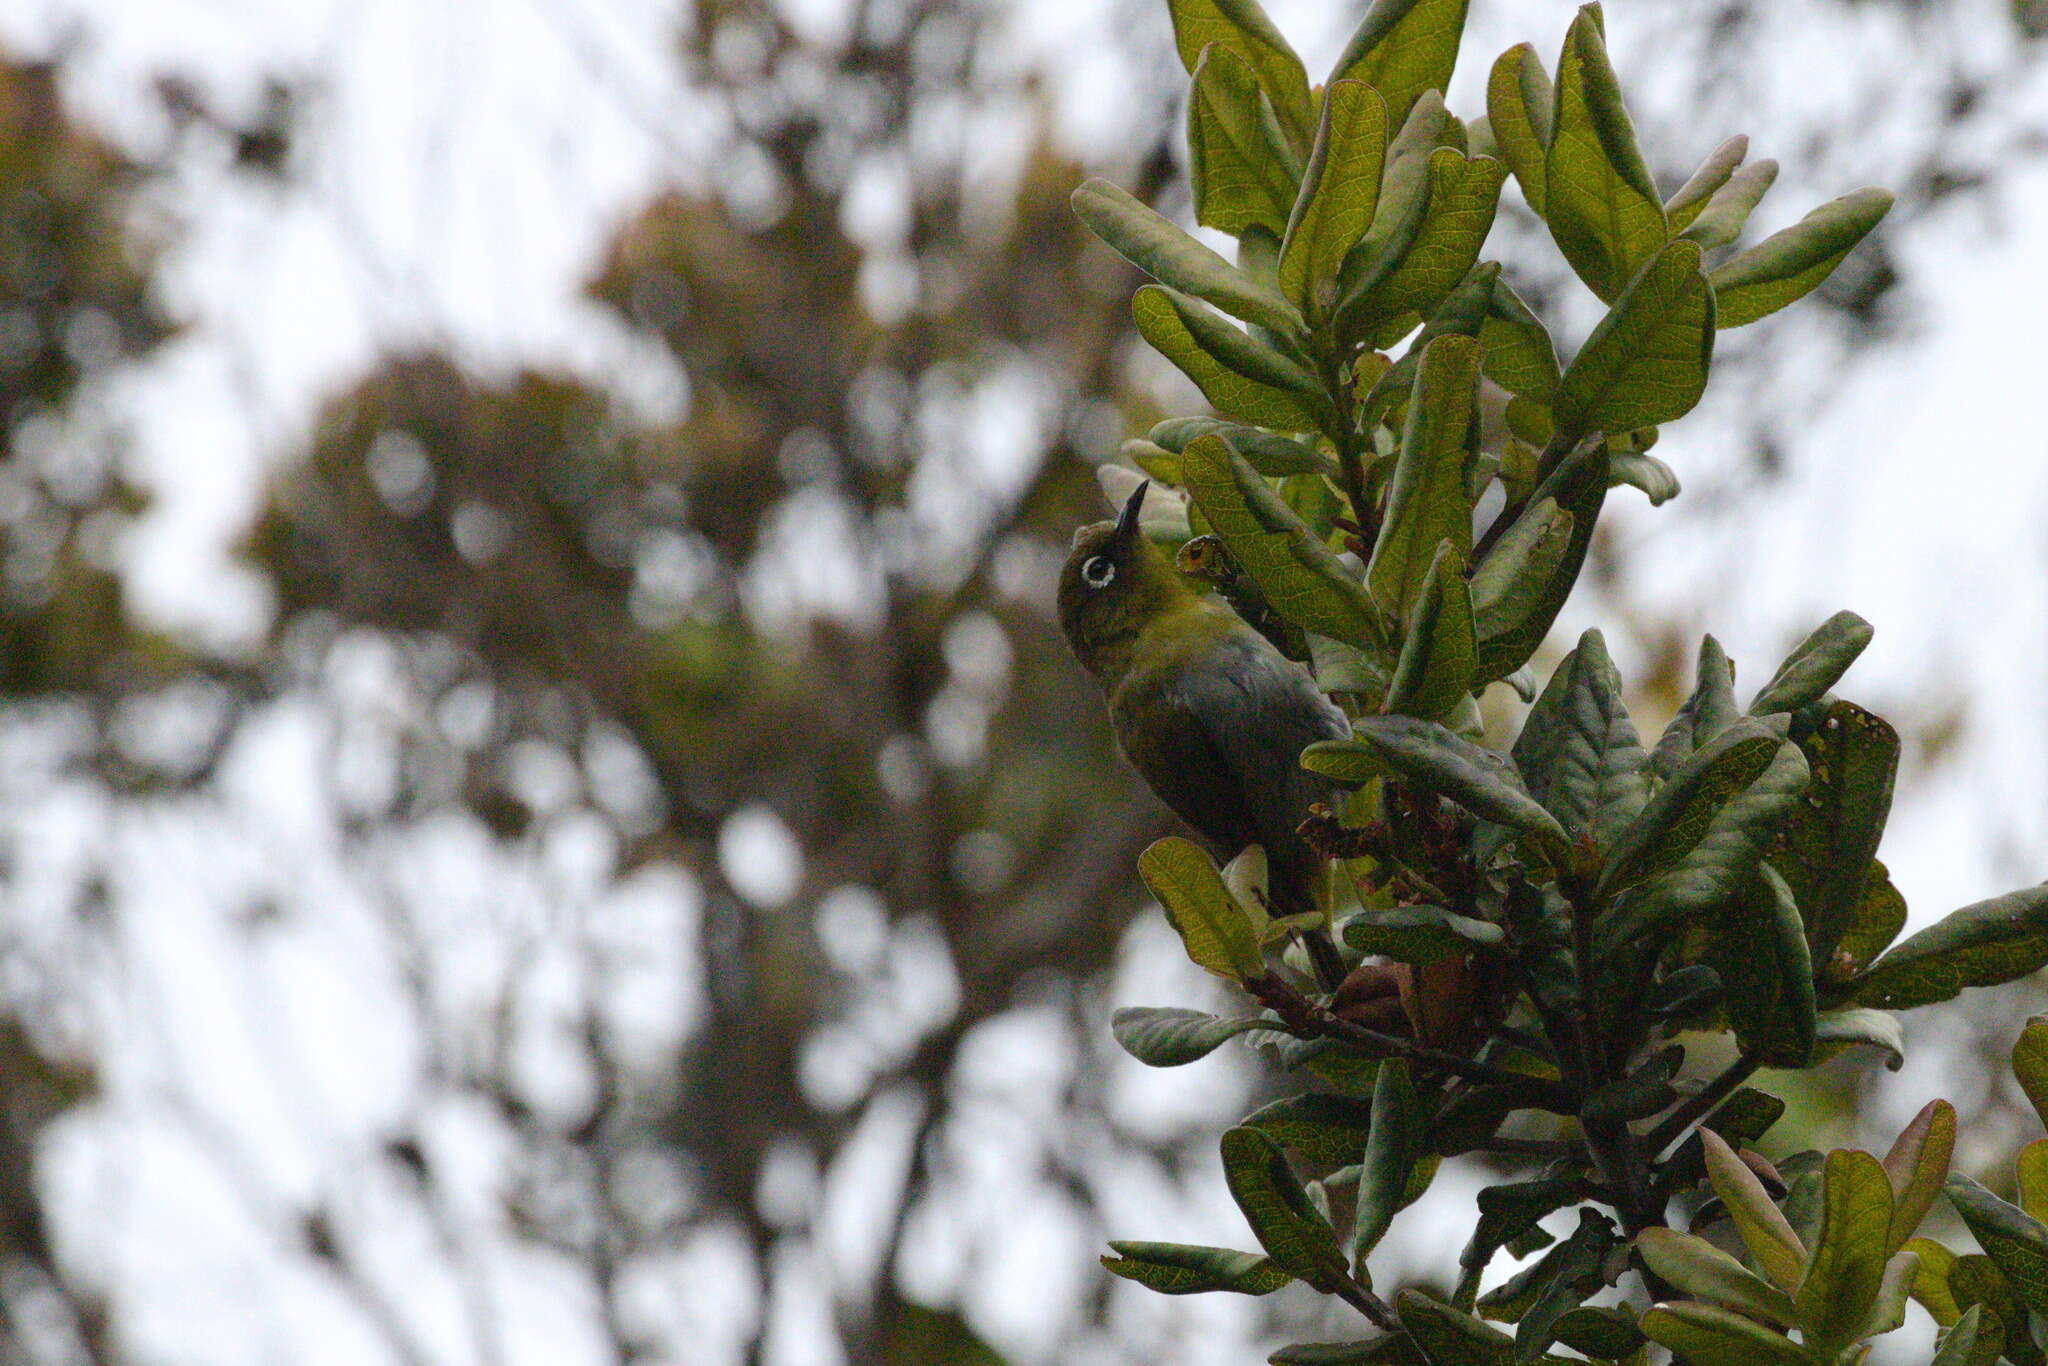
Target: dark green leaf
[[1173, 258], [1403, 48], [1391, 1148], [1815, 666], [1438, 653], [1575, 1275], [1880, 915], [1480, 780], [1602, 1332], [1991, 942], [1646, 362], [1419, 934], [1709, 711], [1507, 1213], [1449, 1337], [1519, 105], [1326, 1130], [1516, 580], [1216, 931], [1746, 1116], [1959, 1345], [1976, 1280], [2011, 1237], [1294, 1233], [1578, 486], [1578, 750], [1686, 992], [1601, 201], [1427, 503], [1339, 191], [1186, 1269], [1688, 807], [1243, 28], [1760, 951], [1825, 850], [1301, 578], [1165, 1036], [1788, 265], [1638, 1095]]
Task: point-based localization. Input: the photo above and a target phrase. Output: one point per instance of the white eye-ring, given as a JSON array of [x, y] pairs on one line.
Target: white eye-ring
[[1098, 570]]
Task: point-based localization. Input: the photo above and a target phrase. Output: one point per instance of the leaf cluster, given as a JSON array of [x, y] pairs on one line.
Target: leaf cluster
[[1533, 945]]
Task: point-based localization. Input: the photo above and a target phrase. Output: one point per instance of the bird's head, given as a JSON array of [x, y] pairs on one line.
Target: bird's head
[[1115, 583]]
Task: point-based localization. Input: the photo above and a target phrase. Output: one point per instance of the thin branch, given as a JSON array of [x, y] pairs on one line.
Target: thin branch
[[1679, 1121]]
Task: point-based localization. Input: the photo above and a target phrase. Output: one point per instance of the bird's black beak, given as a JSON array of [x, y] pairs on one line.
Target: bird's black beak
[[1127, 520]]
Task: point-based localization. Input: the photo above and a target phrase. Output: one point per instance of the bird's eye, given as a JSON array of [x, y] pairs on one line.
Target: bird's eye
[[1098, 570]]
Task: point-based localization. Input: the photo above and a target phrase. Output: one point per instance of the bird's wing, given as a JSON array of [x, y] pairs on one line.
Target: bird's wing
[[1259, 711], [1167, 741]]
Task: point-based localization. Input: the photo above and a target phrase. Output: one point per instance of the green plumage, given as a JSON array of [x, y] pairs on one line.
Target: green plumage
[[1208, 711]]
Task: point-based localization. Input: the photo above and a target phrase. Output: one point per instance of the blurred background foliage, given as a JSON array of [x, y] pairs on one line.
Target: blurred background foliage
[[737, 866]]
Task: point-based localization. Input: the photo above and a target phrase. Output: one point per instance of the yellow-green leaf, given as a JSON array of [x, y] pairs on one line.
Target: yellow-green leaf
[[1457, 215], [1238, 173], [1519, 105], [1339, 192], [1162, 323], [1403, 198], [1788, 265], [1243, 28], [1215, 930], [1700, 1269], [1706, 1335], [1427, 502], [2030, 1064], [1846, 1264], [1930, 1280], [1404, 47], [1646, 362], [1300, 577], [1770, 1240], [1438, 651], [1601, 201], [1293, 1232]]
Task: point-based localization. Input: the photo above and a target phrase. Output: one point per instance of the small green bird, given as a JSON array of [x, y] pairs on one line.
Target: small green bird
[[1211, 715]]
